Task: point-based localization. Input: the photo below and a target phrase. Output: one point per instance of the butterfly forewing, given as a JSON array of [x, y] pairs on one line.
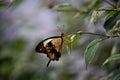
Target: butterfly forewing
[[40, 48]]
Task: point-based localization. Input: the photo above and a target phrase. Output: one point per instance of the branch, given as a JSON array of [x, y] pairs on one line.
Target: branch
[[110, 3]]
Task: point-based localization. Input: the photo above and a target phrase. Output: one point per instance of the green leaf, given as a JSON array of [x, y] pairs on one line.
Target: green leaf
[[90, 51], [18, 2], [95, 17], [112, 58], [2, 5], [74, 38], [63, 6], [76, 15], [70, 40], [114, 75], [110, 14], [95, 4], [112, 18], [67, 41]]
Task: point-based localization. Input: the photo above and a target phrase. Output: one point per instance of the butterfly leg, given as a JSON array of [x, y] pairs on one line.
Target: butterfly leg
[[48, 62]]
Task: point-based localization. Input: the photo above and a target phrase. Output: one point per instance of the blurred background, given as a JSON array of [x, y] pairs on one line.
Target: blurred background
[[24, 23]]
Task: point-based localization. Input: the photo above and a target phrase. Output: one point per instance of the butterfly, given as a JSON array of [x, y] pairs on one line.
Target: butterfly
[[52, 47]]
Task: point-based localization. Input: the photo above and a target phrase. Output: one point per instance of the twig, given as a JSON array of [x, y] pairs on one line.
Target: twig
[[110, 3]]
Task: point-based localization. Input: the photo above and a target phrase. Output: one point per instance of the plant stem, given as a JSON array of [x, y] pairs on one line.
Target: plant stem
[[83, 32], [98, 34]]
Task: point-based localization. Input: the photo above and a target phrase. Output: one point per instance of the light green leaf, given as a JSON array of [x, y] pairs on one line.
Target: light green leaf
[[67, 41], [63, 6], [74, 38], [90, 51], [70, 40], [95, 17], [112, 58], [76, 15]]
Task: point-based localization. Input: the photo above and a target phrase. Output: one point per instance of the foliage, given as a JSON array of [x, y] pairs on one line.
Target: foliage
[[90, 51], [112, 17]]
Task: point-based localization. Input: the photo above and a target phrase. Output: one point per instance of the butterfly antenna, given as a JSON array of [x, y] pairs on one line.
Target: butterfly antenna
[[48, 62], [61, 30]]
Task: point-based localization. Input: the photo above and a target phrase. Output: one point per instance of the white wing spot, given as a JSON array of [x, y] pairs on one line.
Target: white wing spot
[[47, 41], [40, 49]]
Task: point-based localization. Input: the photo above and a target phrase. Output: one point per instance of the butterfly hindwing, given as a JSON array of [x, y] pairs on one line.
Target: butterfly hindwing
[[53, 54]]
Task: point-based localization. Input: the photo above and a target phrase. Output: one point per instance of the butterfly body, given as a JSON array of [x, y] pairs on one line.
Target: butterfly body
[[51, 46]]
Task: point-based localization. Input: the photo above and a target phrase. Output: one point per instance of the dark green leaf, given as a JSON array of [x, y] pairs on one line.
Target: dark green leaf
[[2, 5], [116, 48], [90, 51], [114, 75], [112, 18], [110, 14], [112, 58]]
